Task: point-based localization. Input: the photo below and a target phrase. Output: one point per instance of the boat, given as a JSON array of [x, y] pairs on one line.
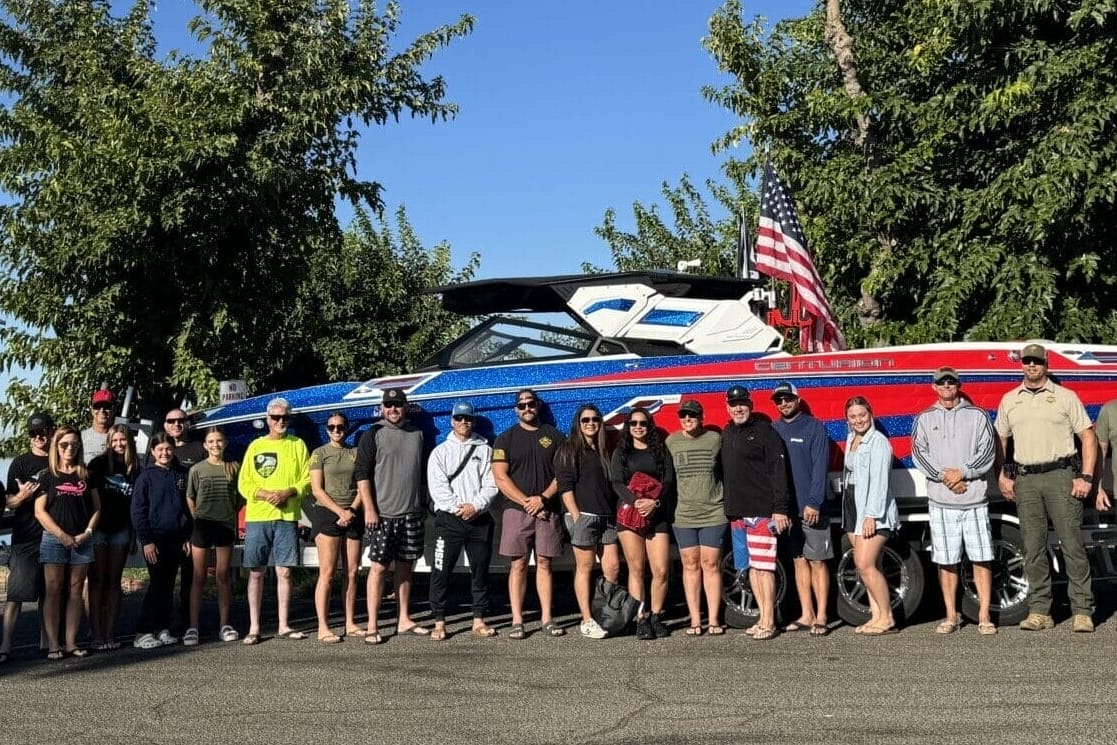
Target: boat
[[654, 339]]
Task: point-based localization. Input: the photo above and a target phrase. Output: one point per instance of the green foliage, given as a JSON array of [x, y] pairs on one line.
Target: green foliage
[[981, 204], [362, 311], [162, 215], [695, 234]]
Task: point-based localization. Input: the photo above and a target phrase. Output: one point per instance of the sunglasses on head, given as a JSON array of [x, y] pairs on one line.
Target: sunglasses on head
[[335, 427], [279, 417], [1033, 361], [462, 418], [525, 405], [175, 420], [590, 420]]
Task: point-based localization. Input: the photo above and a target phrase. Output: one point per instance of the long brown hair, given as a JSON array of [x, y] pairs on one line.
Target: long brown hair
[[56, 462], [574, 448], [231, 466], [131, 459]]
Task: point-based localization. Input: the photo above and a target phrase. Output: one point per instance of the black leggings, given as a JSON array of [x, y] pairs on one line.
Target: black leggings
[[155, 614]]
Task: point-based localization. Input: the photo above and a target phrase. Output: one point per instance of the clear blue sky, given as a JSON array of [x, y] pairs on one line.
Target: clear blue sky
[[566, 109]]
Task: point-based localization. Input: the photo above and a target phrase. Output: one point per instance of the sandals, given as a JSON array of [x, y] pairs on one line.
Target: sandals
[[987, 628], [438, 634], [358, 633], [693, 631], [796, 626], [228, 634], [764, 633], [330, 639], [190, 638], [949, 626], [56, 654], [716, 630], [372, 638], [251, 640], [483, 632], [413, 630], [551, 628], [291, 635], [516, 632], [868, 630], [819, 629]]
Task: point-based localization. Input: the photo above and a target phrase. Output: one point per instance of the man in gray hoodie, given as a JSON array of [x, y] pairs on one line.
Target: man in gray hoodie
[[389, 476], [954, 446], [462, 488]]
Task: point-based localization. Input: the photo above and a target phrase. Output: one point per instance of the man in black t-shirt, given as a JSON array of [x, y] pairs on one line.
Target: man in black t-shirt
[[523, 466], [25, 575]]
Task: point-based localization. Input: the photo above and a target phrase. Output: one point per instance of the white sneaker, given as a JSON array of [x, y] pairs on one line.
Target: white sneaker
[[146, 641], [591, 629], [165, 638], [190, 638]]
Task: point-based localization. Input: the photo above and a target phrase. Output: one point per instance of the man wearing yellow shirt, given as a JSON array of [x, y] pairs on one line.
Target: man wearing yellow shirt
[[274, 478]]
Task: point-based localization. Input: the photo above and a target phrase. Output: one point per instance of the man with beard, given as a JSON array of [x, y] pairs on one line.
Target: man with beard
[[523, 466], [1041, 418]]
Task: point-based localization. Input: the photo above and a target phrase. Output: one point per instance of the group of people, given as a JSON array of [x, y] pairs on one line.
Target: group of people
[[80, 500]]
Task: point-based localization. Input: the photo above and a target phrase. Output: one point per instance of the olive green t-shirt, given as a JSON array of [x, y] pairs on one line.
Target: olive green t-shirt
[[701, 504], [336, 465], [213, 491]]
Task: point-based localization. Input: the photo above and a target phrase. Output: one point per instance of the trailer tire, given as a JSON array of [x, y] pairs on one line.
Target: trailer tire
[[906, 581], [741, 610], [1010, 580]]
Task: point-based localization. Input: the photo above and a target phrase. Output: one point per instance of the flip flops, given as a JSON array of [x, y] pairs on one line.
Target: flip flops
[[372, 638], [949, 625], [483, 632], [358, 633], [553, 629], [438, 635], [693, 631], [251, 640], [716, 631], [330, 639], [414, 630], [819, 629], [292, 636], [763, 634], [878, 630], [796, 626], [986, 628]]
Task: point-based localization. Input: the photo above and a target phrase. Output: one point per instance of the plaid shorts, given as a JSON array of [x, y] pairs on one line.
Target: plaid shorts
[[396, 539], [953, 529]]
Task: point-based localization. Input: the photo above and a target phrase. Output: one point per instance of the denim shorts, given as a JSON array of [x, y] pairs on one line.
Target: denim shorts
[[51, 551], [117, 539], [276, 538]]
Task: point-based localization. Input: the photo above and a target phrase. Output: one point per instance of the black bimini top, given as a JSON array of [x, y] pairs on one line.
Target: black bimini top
[[550, 294]]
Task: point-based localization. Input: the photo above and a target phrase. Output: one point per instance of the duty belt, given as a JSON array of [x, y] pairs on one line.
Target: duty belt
[[1054, 465]]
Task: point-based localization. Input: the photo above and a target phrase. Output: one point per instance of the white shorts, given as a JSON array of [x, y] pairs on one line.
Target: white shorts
[[953, 529]]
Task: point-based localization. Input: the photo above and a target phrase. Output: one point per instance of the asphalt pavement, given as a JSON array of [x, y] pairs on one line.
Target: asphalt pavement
[[912, 687]]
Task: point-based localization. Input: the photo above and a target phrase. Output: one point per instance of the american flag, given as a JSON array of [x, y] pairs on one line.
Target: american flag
[[781, 252]]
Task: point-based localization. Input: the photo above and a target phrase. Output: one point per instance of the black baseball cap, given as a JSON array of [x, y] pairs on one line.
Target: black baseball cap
[[39, 420], [738, 393], [394, 396]]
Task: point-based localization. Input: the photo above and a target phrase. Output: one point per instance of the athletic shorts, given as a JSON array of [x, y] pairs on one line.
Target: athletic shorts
[[277, 539], [810, 543], [117, 539], [396, 539], [25, 573], [51, 551], [324, 522], [520, 533], [212, 534], [590, 531], [951, 530], [761, 542], [708, 537]]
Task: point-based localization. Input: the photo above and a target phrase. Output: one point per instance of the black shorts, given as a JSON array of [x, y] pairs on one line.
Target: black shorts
[[396, 539], [212, 534], [324, 522], [25, 574]]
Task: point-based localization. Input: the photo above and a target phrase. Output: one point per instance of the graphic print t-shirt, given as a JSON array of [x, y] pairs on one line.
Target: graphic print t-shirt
[[530, 455], [69, 500]]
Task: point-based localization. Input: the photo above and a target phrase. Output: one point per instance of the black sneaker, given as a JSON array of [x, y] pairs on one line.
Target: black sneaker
[[660, 631], [644, 630]]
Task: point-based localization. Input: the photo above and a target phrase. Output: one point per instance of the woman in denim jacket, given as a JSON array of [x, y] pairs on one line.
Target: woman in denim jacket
[[869, 514]]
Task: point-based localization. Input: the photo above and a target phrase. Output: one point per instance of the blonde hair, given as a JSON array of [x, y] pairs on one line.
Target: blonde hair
[[56, 462], [131, 459]]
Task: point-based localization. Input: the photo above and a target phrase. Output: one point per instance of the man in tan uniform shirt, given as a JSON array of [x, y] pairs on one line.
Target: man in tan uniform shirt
[[1042, 418]]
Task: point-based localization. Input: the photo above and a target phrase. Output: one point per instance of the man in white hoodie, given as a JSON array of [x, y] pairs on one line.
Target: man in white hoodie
[[460, 478]]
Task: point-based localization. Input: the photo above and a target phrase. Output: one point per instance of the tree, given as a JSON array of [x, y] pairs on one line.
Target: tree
[[695, 234], [363, 312], [163, 214], [956, 162]]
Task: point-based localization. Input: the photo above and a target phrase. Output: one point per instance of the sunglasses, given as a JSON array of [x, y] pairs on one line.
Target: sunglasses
[[783, 399], [590, 420], [181, 421], [687, 415], [279, 417], [40, 433], [102, 407], [67, 445], [335, 427], [1033, 361], [638, 423], [391, 406], [462, 418], [945, 382], [525, 405]]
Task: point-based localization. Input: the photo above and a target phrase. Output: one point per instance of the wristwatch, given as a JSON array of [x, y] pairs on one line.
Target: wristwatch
[[1087, 477]]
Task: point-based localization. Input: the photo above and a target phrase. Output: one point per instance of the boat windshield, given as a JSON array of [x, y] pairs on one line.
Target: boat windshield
[[506, 340]]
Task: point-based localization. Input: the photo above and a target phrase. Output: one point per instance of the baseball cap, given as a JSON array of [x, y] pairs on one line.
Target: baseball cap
[[691, 407], [1034, 350], [103, 396], [785, 389], [946, 372], [394, 396], [39, 420], [463, 408], [738, 393]]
